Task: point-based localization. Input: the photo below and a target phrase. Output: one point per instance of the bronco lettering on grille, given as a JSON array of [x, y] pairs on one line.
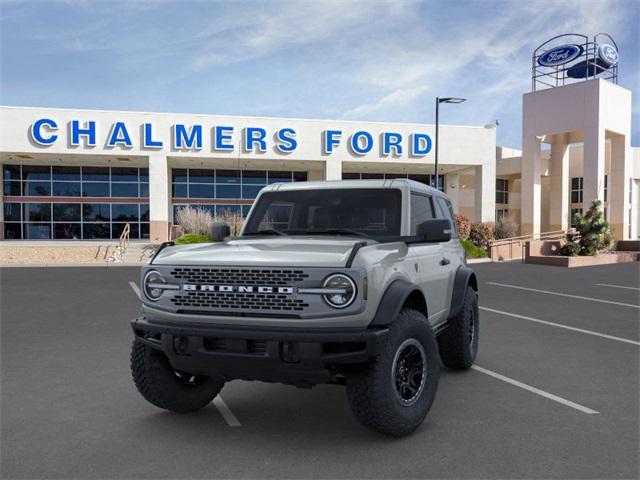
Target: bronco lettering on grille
[[188, 287]]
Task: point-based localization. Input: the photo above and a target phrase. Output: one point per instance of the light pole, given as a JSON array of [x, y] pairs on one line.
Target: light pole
[[438, 102]]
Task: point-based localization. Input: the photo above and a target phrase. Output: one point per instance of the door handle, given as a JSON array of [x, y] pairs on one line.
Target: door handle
[[445, 261]]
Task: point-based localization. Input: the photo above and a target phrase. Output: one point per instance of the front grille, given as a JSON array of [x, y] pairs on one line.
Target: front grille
[[238, 301], [237, 276]]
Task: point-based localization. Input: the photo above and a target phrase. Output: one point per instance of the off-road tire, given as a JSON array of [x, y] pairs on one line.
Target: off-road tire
[[371, 389], [459, 342], [162, 386]]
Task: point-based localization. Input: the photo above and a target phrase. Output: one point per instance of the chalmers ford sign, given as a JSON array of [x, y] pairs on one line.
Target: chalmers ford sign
[[45, 132]]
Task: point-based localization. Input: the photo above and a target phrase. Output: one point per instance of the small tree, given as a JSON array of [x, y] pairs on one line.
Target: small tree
[[463, 226], [591, 235]]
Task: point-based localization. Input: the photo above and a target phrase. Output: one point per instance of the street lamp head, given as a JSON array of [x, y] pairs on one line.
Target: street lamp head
[[451, 100]]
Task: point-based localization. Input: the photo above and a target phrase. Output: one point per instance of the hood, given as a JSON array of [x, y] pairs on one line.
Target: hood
[[271, 251]]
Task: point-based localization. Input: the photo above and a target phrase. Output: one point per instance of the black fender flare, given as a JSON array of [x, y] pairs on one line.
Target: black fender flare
[[464, 277], [392, 301]]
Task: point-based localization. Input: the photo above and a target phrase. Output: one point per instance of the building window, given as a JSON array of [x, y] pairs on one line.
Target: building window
[[65, 214], [63, 181], [202, 185], [74, 221], [502, 190], [426, 178], [576, 190], [502, 213], [606, 187]]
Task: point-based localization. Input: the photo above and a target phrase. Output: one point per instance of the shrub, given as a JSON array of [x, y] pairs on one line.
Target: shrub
[[194, 220], [481, 234], [471, 250], [505, 227], [463, 226], [591, 233], [192, 238]]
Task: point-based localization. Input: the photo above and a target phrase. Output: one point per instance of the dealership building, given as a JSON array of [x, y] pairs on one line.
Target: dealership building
[[85, 174]]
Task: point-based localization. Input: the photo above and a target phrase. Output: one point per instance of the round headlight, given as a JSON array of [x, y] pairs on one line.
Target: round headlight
[[343, 291], [151, 281]]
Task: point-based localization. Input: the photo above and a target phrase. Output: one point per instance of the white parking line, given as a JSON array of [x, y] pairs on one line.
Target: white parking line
[[135, 289], [222, 407], [617, 286], [535, 390], [590, 299], [226, 413], [544, 322]]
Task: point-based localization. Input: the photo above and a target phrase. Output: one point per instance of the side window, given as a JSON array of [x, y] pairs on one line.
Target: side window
[[446, 210], [421, 210]]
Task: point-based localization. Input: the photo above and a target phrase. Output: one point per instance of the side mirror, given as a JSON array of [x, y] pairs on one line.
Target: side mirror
[[220, 231], [436, 230]]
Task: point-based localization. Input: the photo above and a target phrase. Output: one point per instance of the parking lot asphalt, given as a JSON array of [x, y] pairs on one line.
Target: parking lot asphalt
[[555, 395]]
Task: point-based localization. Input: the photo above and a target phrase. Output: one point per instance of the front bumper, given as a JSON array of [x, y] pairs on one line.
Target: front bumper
[[300, 358]]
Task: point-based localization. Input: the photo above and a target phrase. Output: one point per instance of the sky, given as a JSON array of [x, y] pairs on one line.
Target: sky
[[344, 60]]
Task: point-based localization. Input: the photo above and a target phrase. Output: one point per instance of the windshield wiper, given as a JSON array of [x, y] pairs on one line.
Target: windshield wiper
[[337, 231], [266, 231]]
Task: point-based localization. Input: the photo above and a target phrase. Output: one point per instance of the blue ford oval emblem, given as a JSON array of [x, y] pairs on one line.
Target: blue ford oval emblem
[[560, 55], [608, 54]]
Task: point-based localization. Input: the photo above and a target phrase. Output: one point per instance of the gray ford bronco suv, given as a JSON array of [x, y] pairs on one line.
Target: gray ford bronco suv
[[356, 283]]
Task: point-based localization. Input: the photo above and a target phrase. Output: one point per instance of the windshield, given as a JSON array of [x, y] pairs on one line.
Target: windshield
[[371, 212]]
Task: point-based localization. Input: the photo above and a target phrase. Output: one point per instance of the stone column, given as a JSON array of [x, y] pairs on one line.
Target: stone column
[[485, 192], [332, 169], [559, 196], [593, 167], [618, 188], [159, 197], [531, 186]]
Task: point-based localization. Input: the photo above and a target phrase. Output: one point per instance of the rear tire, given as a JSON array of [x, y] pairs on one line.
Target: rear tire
[[459, 342], [394, 392], [163, 386]]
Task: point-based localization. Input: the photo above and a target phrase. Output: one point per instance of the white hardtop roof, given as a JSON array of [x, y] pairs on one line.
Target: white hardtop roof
[[400, 183]]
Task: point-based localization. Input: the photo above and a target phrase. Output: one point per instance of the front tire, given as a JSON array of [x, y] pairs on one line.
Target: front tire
[[459, 342], [394, 392], [163, 386]]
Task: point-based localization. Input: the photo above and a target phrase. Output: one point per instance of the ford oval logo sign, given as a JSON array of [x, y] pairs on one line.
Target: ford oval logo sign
[[560, 55], [608, 54]]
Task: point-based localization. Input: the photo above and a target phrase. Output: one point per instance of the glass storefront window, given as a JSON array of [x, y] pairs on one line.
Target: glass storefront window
[[96, 212], [69, 231], [12, 212], [13, 231], [128, 174], [36, 172], [37, 231], [254, 177], [124, 212], [37, 189], [228, 191], [95, 174], [66, 189], [96, 231], [37, 212], [12, 188], [66, 212], [95, 189], [66, 173], [11, 172], [124, 190], [197, 190]]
